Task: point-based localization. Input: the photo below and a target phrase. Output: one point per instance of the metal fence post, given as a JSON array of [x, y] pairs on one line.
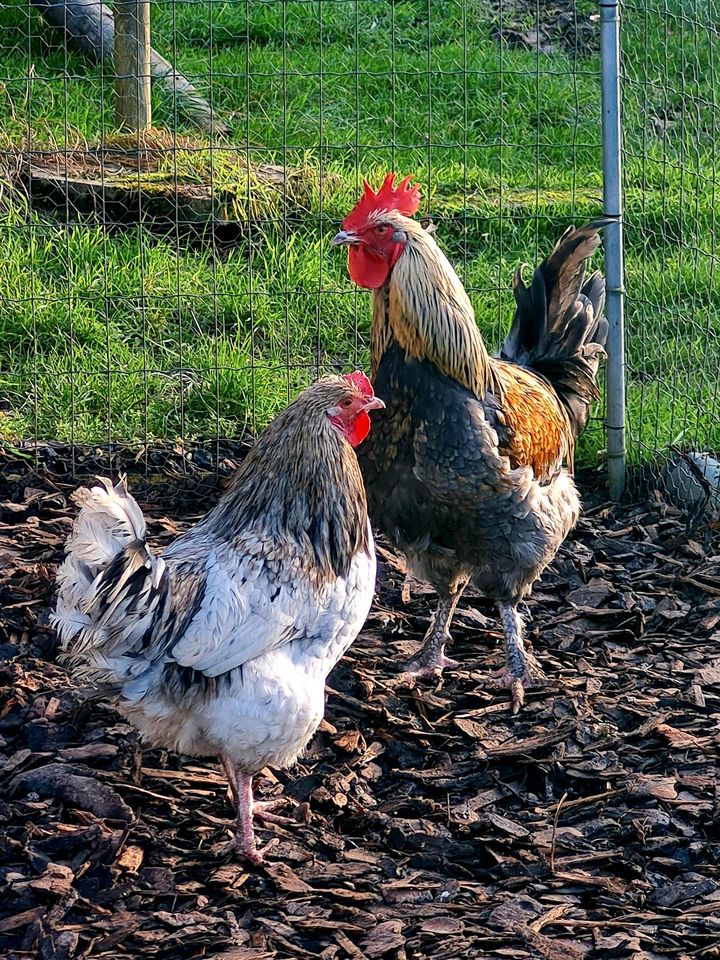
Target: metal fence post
[[131, 59], [612, 199]]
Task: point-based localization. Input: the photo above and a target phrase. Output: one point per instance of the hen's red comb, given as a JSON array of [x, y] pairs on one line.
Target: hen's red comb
[[404, 198], [359, 380]]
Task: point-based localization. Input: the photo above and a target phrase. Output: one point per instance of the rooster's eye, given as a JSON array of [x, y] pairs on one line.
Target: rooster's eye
[[347, 402], [381, 230]]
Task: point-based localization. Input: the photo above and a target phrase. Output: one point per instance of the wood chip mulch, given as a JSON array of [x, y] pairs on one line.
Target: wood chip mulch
[[425, 823]]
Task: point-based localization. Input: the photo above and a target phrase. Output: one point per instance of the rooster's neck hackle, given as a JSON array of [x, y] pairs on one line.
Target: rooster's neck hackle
[[425, 309]]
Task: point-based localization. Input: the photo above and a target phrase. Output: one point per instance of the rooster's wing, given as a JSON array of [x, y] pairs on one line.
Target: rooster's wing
[[456, 453], [433, 467]]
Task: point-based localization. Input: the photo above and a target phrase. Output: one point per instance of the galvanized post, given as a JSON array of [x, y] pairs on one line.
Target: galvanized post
[[612, 199]]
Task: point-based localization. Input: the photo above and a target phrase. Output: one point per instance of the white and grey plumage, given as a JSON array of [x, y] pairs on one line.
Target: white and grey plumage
[[221, 646]]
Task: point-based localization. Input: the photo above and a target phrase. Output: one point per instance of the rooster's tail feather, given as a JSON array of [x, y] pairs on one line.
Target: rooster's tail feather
[[559, 330]]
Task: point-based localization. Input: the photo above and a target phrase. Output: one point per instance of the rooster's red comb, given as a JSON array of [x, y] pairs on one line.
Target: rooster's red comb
[[361, 382], [405, 198]]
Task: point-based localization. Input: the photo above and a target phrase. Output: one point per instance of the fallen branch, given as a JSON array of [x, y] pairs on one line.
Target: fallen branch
[[89, 25]]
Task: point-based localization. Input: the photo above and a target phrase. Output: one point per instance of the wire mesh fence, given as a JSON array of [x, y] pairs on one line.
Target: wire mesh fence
[[145, 330], [180, 286], [671, 126]]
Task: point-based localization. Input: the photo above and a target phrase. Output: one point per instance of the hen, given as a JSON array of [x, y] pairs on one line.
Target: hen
[[469, 470], [221, 646]]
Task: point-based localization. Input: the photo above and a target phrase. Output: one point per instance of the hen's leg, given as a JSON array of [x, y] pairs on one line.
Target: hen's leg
[[231, 774], [405, 592], [521, 670], [241, 788], [246, 808], [431, 659], [244, 830]]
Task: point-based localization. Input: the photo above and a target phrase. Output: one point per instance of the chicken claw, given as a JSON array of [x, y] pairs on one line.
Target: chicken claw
[[533, 676], [247, 809], [431, 659], [430, 662], [240, 848], [263, 810], [244, 845], [521, 669]]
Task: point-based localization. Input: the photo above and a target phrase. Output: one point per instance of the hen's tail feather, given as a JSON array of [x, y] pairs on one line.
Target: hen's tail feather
[[559, 330], [107, 571]]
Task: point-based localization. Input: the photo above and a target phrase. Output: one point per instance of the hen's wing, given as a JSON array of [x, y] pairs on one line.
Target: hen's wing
[[213, 610], [248, 607]]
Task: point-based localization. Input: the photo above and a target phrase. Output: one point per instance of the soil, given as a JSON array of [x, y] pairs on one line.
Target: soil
[[423, 823], [549, 27]]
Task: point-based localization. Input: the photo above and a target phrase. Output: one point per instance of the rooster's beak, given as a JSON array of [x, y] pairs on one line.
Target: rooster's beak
[[345, 238], [374, 403]]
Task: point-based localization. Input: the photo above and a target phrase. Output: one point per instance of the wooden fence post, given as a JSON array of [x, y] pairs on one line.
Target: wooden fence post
[[131, 58]]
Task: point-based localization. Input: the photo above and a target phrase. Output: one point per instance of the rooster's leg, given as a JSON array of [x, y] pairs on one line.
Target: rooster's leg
[[431, 659], [521, 669]]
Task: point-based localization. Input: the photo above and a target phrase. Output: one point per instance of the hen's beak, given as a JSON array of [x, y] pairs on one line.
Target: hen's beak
[[345, 238], [374, 403]]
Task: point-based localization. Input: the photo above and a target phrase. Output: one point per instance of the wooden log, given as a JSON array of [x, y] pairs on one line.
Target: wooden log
[[133, 102]]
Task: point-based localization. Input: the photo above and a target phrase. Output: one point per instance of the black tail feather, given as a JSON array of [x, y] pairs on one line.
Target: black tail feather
[[559, 330]]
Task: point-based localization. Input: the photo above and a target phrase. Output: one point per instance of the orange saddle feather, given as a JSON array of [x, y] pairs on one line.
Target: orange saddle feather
[[539, 430]]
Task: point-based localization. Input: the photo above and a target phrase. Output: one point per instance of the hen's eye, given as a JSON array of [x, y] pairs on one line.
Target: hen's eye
[[347, 402], [381, 230]]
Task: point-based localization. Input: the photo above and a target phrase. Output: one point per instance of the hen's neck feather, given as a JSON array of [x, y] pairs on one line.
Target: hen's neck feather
[[425, 309], [301, 481]]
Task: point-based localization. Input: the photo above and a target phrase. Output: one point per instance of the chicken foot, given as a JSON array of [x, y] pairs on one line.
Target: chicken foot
[[521, 670], [247, 808], [431, 659]]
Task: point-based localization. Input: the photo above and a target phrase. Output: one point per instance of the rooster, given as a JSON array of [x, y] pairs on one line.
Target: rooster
[[222, 645], [469, 473]]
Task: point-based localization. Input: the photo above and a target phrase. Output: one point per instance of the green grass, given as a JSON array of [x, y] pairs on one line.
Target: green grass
[[128, 336]]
